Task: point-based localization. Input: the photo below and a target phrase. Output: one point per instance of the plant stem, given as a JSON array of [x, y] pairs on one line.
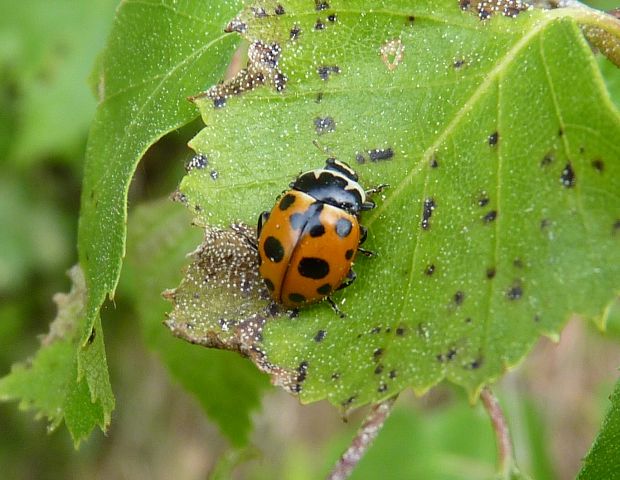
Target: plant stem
[[363, 439], [505, 456]]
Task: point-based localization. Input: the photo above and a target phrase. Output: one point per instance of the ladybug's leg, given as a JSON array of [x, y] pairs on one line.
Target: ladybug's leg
[[351, 276], [262, 218], [363, 234], [335, 308], [378, 189], [369, 205]]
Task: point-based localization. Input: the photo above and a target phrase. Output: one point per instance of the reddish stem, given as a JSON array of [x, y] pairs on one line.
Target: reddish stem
[[361, 442], [500, 426]]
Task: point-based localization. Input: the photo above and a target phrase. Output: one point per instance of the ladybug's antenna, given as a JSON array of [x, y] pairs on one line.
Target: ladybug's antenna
[[324, 149]]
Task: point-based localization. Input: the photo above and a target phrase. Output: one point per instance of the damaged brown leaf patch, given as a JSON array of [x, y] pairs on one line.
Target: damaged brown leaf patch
[[222, 301]]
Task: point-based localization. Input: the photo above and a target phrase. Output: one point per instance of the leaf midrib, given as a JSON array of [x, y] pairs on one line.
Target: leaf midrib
[[493, 75]]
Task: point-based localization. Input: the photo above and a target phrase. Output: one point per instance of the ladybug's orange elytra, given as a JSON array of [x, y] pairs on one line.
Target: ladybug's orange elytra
[[308, 242]]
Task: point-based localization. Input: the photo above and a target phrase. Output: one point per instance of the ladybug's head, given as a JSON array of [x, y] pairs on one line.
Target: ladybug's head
[[341, 167], [336, 184]]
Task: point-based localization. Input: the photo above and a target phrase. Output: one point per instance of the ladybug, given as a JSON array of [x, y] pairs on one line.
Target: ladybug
[[308, 242]]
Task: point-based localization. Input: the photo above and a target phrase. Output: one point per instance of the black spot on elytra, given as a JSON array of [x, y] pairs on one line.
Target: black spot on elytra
[[598, 165], [459, 297], [427, 212], [319, 25], [320, 5], [483, 200], [320, 335], [547, 160], [493, 139], [349, 254], [343, 227], [286, 201], [312, 267], [297, 220], [377, 354], [273, 249], [430, 269], [302, 371], [325, 71], [515, 292], [279, 10], [379, 154], [324, 125], [490, 273], [92, 336], [324, 289], [269, 284], [296, 298], [295, 32], [382, 388], [567, 178], [378, 369], [490, 217], [317, 230]]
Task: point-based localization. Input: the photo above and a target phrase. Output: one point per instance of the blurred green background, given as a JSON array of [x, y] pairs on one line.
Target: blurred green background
[[554, 401]]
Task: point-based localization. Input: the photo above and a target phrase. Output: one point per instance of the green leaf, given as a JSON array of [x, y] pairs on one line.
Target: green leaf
[[603, 460], [49, 383], [502, 126], [227, 386], [611, 74], [158, 53]]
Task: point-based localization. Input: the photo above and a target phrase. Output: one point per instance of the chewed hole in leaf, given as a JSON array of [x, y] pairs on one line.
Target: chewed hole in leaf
[[223, 303]]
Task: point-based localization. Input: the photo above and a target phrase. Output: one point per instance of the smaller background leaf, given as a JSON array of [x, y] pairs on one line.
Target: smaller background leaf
[[49, 383], [603, 460]]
